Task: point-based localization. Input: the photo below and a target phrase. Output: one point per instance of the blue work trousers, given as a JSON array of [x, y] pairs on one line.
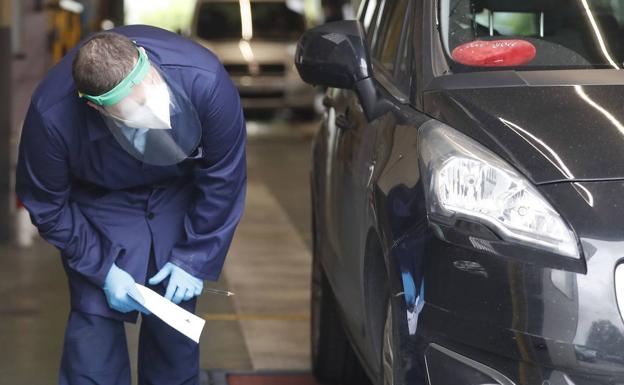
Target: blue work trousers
[[95, 350]]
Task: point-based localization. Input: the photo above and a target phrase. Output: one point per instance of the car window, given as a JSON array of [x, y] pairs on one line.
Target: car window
[[377, 10], [532, 34], [265, 20], [361, 11], [386, 45], [403, 67], [368, 13]]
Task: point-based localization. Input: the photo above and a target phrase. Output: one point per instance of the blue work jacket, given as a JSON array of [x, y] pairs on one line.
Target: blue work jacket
[[99, 205]]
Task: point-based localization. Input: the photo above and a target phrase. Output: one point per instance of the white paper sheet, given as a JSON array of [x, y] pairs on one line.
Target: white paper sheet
[[185, 322]]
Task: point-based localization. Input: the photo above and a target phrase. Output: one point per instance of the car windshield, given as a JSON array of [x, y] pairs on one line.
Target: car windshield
[[532, 34], [265, 20]]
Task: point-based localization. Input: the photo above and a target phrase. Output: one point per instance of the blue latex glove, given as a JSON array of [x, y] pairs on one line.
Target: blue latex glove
[[409, 289], [118, 286], [182, 285]]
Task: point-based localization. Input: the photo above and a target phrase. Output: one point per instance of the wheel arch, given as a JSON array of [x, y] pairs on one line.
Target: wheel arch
[[379, 284]]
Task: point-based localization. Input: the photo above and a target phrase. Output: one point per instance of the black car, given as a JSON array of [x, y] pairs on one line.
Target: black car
[[468, 193]]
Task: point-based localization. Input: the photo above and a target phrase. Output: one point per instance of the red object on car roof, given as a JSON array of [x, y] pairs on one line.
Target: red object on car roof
[[494, 53]]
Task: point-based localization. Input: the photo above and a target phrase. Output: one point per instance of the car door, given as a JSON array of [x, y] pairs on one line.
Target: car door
[[352, 143], [342, 137], [393, 53]]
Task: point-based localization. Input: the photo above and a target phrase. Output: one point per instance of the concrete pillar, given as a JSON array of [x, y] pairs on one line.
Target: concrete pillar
[[6, 195]]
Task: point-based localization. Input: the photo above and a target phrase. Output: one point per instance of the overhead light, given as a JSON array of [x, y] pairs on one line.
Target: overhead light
[[246, 51], [71, 6], [246, 24]]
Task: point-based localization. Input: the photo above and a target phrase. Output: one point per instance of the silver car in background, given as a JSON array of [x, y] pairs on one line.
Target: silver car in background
[[256, 42]]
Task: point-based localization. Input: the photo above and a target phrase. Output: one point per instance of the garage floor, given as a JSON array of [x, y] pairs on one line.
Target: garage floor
[[263, 327], [259, 377]]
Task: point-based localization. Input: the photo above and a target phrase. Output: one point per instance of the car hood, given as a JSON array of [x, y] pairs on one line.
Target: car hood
[[550, 132], [260, 51]]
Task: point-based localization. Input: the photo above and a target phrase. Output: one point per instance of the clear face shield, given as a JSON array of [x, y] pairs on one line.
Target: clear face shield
[[149, 116]]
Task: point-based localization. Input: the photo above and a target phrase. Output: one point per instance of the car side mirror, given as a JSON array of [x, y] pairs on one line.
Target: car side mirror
[[336, 55]]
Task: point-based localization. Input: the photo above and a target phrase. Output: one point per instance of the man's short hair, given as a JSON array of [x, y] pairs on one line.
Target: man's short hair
[[102, 62]]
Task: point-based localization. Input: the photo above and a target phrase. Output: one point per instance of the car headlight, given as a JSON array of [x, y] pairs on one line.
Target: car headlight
[[464, 180]]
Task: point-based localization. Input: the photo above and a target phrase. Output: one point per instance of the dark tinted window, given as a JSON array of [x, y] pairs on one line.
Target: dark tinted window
[[367, 13], [371, 18], [403, 68], [362, 10], [269, 20], [388, 37]]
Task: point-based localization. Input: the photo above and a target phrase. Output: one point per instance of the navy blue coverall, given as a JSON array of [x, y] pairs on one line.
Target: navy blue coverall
[[99, 205]]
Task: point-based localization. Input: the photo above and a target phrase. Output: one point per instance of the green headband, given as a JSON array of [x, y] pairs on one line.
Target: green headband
[[123, 89]]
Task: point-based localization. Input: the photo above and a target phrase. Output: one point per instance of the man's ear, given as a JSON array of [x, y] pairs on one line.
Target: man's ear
[[95, 106]]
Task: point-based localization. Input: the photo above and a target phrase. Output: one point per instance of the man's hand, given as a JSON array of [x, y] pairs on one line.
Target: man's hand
[[409, 289], [117, 288], [182, 286]]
